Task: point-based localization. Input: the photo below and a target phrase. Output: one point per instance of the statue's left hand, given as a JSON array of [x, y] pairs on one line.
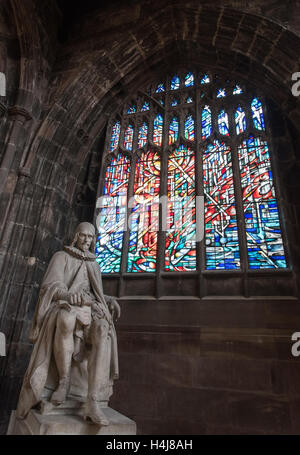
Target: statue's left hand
[[115, 308]]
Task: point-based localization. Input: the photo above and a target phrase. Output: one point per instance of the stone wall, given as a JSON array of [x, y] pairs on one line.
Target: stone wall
[[65, 75]]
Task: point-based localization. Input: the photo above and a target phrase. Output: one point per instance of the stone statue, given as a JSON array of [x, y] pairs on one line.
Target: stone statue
[[75, 346]]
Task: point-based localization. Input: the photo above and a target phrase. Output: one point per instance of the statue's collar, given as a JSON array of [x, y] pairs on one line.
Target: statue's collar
[[77, 253]]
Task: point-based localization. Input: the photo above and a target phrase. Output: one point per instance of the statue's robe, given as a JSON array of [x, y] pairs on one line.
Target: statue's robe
[[41, 376]]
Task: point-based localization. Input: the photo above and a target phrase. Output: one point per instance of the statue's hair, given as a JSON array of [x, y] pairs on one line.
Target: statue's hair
[[77, 231]]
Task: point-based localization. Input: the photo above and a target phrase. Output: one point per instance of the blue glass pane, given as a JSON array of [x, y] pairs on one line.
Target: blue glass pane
[[189, 80], [175, 83], [237, 90], [206, 123], [131, 109], [221, 93], [223, 123], [146, 106], [257, 114], [240, 120], [205, 79], [160, 88]]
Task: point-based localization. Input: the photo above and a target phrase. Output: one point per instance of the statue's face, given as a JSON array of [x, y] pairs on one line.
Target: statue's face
[[84, 240]]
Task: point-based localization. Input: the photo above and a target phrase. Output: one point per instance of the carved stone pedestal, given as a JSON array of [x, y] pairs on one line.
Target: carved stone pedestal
[[67, 419]]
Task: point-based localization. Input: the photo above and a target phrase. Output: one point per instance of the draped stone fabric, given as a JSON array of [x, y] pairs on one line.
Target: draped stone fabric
[[64, 274]]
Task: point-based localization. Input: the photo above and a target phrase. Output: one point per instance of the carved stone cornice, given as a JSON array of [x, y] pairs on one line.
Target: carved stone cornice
[[20, 112], [24, 172], [3, 109]]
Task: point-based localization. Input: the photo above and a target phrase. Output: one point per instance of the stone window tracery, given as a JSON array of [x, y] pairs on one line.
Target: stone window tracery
[[192, 134]]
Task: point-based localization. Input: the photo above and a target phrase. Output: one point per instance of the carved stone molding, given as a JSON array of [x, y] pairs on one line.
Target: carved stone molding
[[3, 109], [24, 172], [19, 112]]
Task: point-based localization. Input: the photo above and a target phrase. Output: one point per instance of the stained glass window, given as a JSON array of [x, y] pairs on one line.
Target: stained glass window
[[189, 80], [162, 102], [160, 88], [237, 90], [223, 123], [221, 233], [180, 237], [257, 113], [158, 129], [143, 135], [173, 131], [263, 233], [221, 93], [128, 138], [144, 217], [112, 218], [131, 109], [205, 79], [115, 136], [146, 106], [232, 169], [175, 83], [240, 120], [206, 122], [189, 130]]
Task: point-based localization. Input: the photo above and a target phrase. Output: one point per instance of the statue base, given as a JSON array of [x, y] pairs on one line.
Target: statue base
[[67, 419]]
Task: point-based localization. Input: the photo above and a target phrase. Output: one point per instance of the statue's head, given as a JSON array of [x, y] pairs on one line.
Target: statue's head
[[85, 237]]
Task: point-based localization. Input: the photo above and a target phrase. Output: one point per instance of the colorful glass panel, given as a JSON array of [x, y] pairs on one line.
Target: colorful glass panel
[[144, 219], [264, 240], [128, 137], [221, 232], [160, 88], [223, 123], [111, 221], [240, 120], [174, 102], [173, 131], [189, 129], [181, 225], [115, 136], [157, 130], [257, 114], [131, 109], [237, 90], [146, 106], [189, 80], [221, 93], [175, 83], [206, 122], [205, 79], [143, 135], [189, 100]]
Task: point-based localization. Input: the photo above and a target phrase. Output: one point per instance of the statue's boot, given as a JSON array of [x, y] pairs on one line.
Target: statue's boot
[[94, 413], [60, 394]]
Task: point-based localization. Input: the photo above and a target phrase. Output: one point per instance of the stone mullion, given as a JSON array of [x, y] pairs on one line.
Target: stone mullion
[[246, 105], [161, 238], [214, 108], [130, 193], [200, 246], [234, 144]]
